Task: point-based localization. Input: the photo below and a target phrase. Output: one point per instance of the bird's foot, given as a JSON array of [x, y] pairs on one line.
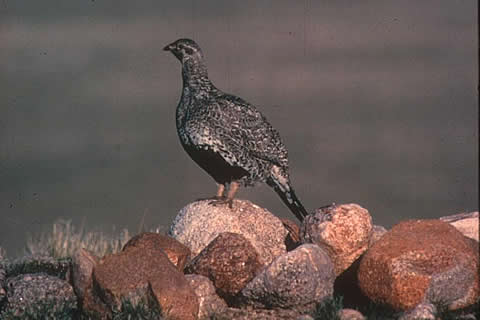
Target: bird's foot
[[214, 198], [222, 201]]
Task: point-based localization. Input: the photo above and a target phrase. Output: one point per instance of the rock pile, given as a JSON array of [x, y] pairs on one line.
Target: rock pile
[[245, 263]]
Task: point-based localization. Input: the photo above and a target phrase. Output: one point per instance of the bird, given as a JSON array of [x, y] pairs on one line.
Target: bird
[[228, 137]]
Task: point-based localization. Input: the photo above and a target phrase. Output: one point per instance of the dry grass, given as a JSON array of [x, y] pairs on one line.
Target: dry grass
[[3, 253], [64, 239]]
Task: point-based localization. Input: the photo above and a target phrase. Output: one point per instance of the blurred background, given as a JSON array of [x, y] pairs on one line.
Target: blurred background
[[377, 102]]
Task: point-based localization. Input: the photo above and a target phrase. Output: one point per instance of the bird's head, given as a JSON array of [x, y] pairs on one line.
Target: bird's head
[[184, 49]]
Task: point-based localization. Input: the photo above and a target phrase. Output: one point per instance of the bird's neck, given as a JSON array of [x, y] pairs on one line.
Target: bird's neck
[[195, 75]]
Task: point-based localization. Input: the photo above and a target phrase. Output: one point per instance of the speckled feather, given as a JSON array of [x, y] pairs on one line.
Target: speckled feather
[[227, 136]]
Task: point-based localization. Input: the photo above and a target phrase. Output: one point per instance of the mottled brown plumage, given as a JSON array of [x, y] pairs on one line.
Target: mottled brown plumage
[[226, 136]]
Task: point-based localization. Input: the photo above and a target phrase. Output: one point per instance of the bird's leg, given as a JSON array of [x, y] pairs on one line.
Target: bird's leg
[[231, 193], [218, 196], [221, 189]]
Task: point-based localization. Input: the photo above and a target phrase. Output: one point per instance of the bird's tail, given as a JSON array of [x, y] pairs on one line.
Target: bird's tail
[[287, 194]]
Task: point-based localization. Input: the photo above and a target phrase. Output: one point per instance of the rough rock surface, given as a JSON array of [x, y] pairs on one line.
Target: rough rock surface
[[39, 295], [424, 311], [209, 302], [83, 263], [176, 252], [466, 223], [342, 230], [39, 264], [297, 280], [350, 314], [140, 275], [292, 239], [229, 261], [260, 314], [420, 261], [377, 233], [198, 223]]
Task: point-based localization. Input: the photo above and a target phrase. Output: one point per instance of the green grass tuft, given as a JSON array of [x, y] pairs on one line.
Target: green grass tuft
[[43, 311], [328, 309]]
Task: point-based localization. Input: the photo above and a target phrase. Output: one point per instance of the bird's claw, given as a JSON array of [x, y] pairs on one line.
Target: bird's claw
[[214, 198], [222, 201]]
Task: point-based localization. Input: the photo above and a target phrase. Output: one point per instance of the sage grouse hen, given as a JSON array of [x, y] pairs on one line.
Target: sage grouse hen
[[226, 136]]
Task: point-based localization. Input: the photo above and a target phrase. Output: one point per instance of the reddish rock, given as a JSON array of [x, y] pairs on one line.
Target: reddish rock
[[93, 306], [292, 240], [176, 252], [343, 231], [144, 275], [420, 261], [229, 261]]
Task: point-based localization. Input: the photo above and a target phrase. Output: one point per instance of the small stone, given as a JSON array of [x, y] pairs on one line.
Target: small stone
[[423, 311], [297, 280], [198, 223], [342, 230], [176, 252], [350, 314], [229, 261], [466, 223], [260, 314], [39, 296], [209, 302]]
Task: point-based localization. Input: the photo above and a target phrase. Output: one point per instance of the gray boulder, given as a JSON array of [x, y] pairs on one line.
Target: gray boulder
[[424, 311], [39, 296], [297, 280], [466, 223], [39, 264], [209, 302], [350, 314], [198, 223], [260, 314]]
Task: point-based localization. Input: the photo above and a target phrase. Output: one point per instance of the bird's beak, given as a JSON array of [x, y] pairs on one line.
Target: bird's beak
[[168, 47]]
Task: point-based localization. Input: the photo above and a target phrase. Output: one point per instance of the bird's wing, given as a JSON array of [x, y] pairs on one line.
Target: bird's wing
[[238, 131]]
